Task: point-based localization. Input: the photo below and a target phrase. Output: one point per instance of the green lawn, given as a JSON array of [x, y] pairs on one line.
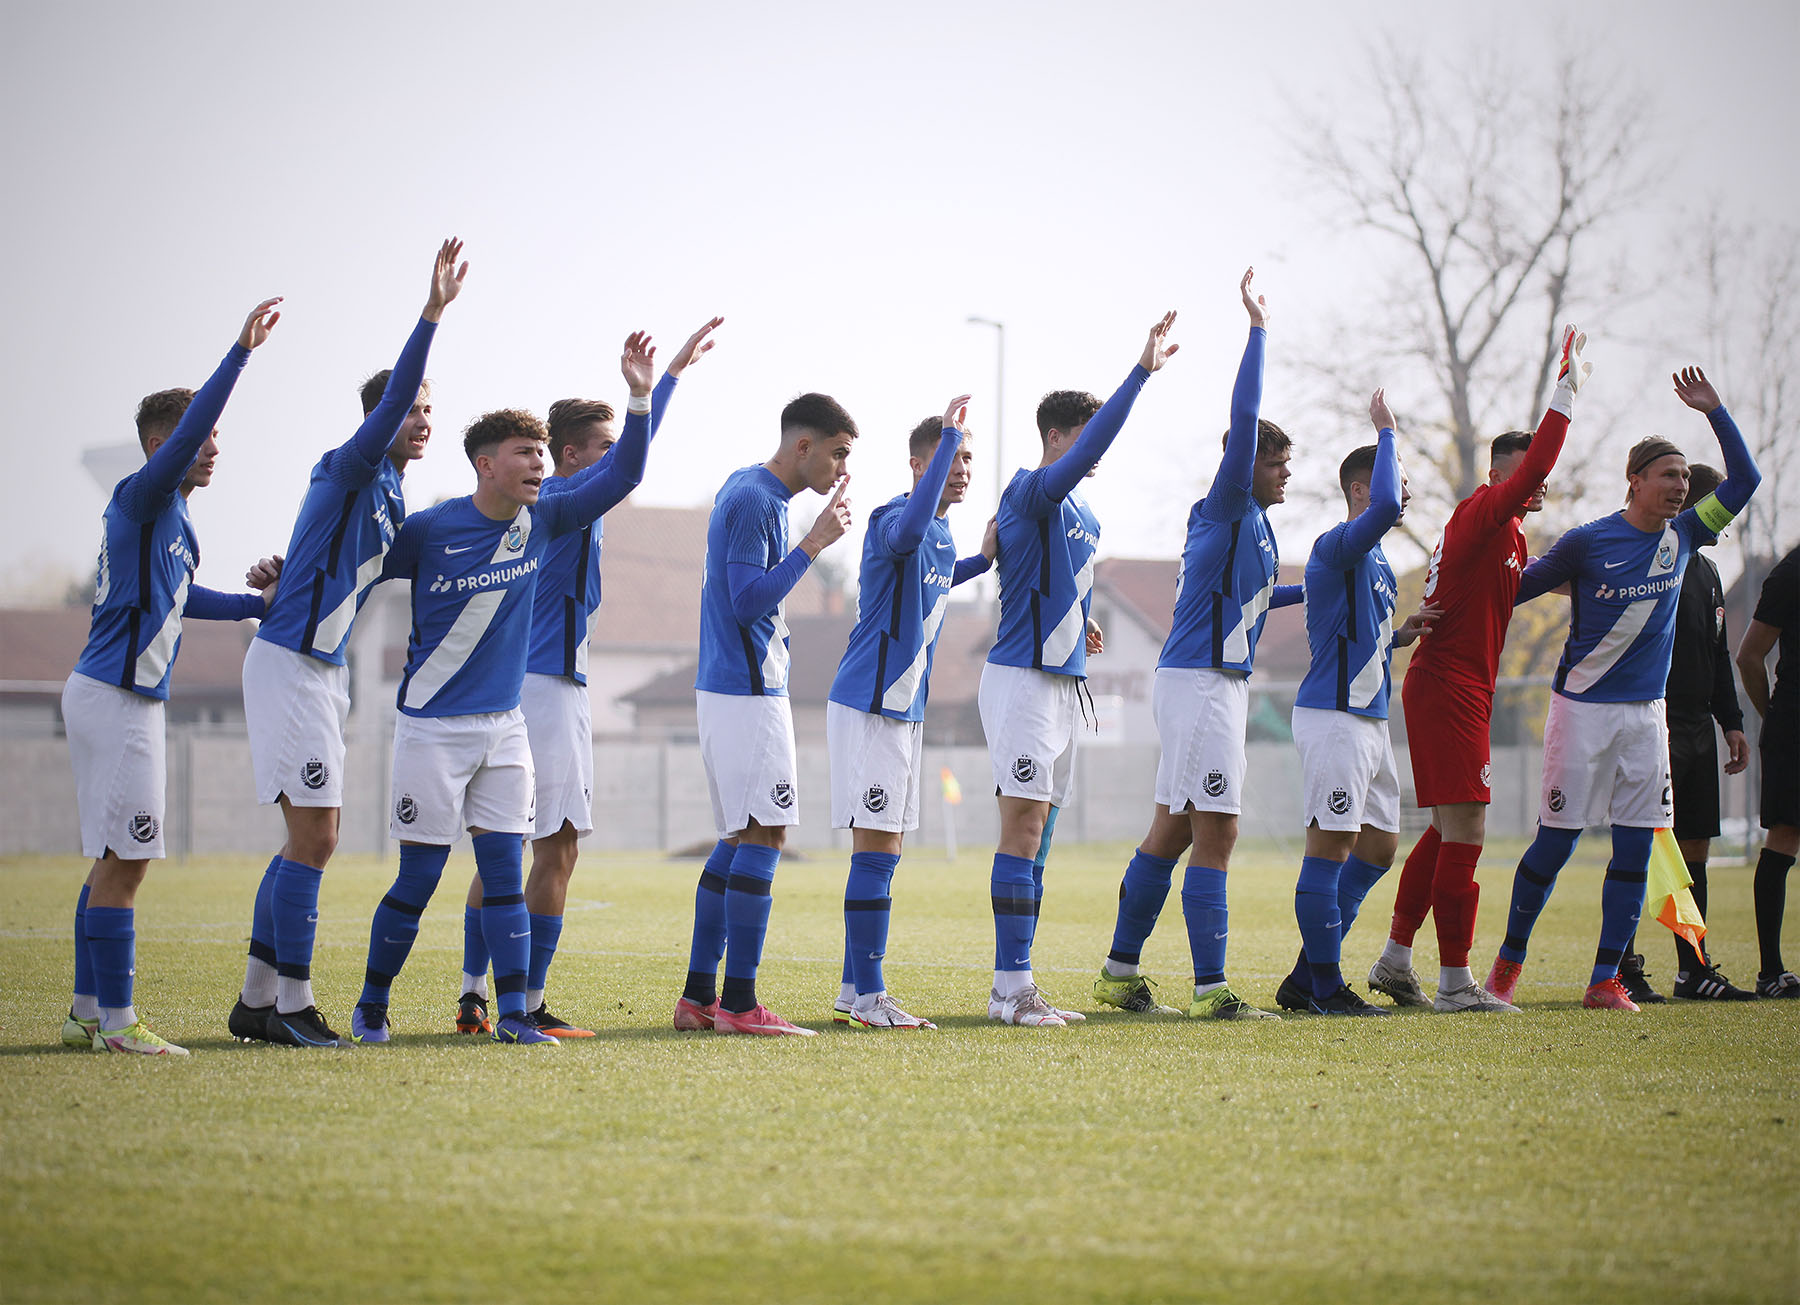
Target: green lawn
[[1557, 1155]]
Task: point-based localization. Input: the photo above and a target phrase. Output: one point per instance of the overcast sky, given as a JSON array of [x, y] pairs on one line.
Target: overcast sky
[[846, 184]]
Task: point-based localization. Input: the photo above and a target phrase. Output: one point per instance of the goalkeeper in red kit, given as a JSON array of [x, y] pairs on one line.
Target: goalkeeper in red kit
[[1449, 698]]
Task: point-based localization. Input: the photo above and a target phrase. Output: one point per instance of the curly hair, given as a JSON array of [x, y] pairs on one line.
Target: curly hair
[[1065, 410], [157, 414], [492, 428], [570, 420]]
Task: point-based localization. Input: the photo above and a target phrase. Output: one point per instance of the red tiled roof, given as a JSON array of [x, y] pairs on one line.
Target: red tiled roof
[[40, 646]]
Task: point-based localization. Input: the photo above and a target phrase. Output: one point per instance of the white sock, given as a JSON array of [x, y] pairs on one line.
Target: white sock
[[86, 1006], [116, 1019], [534, 997], [1201, 989], [475, 983], [865, 1001], [1398, 955], [1010, 983], [846, 995], [1452, 977], [259, 983], [1120, 969], [293, 995]]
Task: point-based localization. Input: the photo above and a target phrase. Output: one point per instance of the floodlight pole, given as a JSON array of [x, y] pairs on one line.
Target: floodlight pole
[[999, 400]]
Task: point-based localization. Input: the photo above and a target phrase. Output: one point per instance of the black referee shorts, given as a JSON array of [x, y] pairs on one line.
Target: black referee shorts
[[1780, 748], [1694, 776]]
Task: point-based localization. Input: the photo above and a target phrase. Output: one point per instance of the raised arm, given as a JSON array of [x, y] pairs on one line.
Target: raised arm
[[595, 490], [1511, 497], [1238, 465], [697, 346], [1742, 475], [378, 429], [1366, 530], [905, 529]]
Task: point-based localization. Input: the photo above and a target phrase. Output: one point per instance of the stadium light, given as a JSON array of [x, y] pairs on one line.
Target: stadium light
[[999, 399]]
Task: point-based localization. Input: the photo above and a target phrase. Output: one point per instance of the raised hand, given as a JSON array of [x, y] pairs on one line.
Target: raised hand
[[264, 574], [1418, 624], [1259, 308], [261, 321], [1157, 349], [638, 363], [1573, 372], [990, 539], [1380, 413], [958, 411], [832, 522], [697, 344], [1693, 389], [446, 279]]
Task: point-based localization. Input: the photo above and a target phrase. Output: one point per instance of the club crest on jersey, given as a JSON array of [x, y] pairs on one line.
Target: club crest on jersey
[[1487, 775], [1213, 784], [144, 827], [1024, 769], [876, 799], [515, 538], [1557, 800], [314, 773], [406, 810], [1339, 802], [782, 795]]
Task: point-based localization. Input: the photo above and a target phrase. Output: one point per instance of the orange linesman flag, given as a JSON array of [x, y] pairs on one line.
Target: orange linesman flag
[[1666, 896], [952, 790]]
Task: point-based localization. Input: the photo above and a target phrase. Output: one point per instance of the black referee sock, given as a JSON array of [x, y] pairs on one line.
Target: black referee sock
[[1686, 959], [1770, 889]]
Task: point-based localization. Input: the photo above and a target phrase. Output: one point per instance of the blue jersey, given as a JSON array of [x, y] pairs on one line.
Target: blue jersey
[[1350, 595], [1048, 537], [744, 647], [567, 606], [908, 566], [347, 520], [473, 580], [1229, 563], [148, 554]]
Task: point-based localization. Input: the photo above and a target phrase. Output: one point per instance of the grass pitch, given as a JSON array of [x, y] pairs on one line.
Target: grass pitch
[[1558, 1155]]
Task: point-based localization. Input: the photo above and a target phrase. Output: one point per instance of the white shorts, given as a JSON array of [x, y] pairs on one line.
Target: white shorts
[[875, 765], [116, 746], [1606, 763], [1347, 770], [559, 722], [747, 743], [1201, 715], [295, 707], [1030, 718], [453, 773]]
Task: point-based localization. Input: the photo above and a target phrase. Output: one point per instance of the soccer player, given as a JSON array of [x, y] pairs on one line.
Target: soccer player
[[741, 700], [461, 757], [1449, 700], [1202, 702], [558, 711], [1031, 683], [112, 705], [1700, 691], [1606, 741], [875, 718], [1777, 619], [296, 682], [1351, 789]]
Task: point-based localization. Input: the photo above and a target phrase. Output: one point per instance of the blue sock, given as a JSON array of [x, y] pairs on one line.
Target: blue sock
[[708, 946], [396, 922], [866, 911], [1536, 876], [262, 916], [1354, 883], [1621, 898], [475, 952], [747, 902], [546, 930], [505, 923], [1321, 926], [1015, 911], [295, 910], [84, 963], [112, 947], [1141, 896], [1208, 921]]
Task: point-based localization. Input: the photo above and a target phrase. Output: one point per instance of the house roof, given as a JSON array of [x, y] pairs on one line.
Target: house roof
[[39, 647], [1143, 588]]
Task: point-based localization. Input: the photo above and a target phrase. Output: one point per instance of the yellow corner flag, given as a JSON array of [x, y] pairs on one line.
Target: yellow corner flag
[[1666, 896], [952, 790]]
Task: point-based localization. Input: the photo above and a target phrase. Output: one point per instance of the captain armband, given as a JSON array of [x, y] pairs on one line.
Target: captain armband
[[1714, 515]]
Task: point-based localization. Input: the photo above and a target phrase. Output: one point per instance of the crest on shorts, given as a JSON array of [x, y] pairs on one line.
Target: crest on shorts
[[406, 810], [875, 799], [1024, 770], [314, 773], [1339, 801], [515, 538], [1668, 800], [1214, 783], [144, 827], [1557, 801], [782, 795], [1487, 775]]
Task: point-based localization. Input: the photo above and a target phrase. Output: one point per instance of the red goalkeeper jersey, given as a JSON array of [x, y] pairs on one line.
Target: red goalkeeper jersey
[[1476, 566]]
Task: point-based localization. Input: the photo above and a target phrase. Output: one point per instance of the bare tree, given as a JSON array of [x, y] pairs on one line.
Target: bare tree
[[1492, 184]]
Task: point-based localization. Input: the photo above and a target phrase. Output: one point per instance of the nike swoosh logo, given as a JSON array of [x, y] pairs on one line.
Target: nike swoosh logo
[[393, 941], [1610, 565], [526, 934], [1221, 935], [452, 552], [312, 919]]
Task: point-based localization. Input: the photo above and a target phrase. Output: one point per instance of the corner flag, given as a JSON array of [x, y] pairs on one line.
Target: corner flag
[[1666, 896]]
